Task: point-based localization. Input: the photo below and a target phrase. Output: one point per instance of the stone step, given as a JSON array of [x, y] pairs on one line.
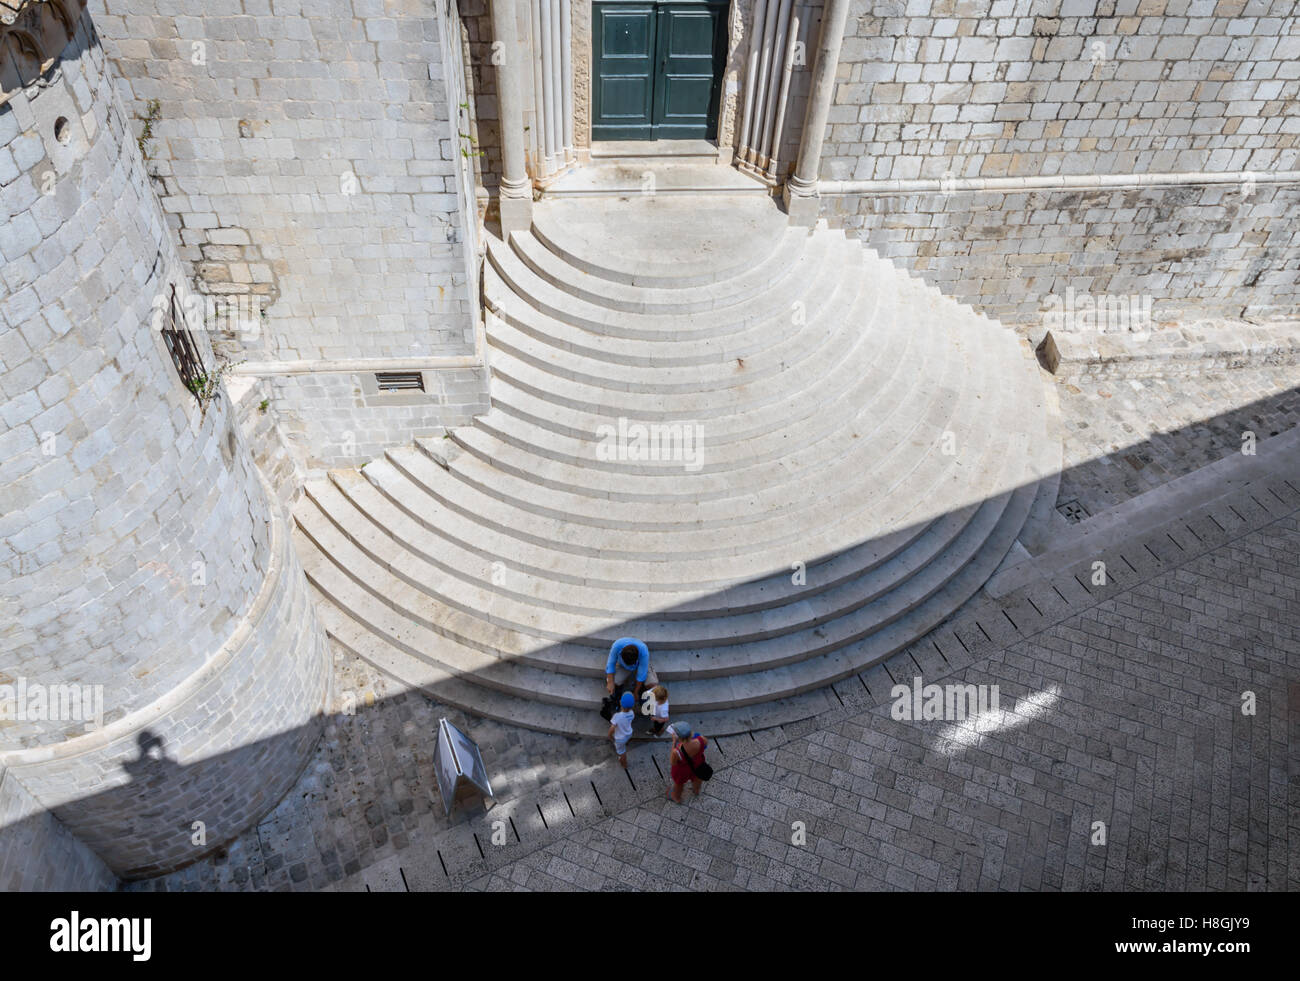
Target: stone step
[[566, 464], [490, 621], [716, 244], [468, 641], [699, 680], [529, 573], [813, 610], [739, 386], [764, 278], [811, 344], [438, 499], [542, 716], [818, 264], [527, 393], [581, 407], [600, 615], [830, 298]]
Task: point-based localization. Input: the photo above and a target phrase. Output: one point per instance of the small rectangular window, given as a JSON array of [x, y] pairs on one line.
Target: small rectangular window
[[400, 381]]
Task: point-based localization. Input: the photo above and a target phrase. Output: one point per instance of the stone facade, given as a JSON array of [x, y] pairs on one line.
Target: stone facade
[[221, 749], [1004, 88], [319, 135], [308, 158], [38, 853], [260, 425], [1086, 88], [335, 419], [139, 555], [1190, 252]]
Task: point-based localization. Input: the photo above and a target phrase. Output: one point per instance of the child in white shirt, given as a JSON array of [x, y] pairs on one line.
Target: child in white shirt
[[620, 726], [659, 710]]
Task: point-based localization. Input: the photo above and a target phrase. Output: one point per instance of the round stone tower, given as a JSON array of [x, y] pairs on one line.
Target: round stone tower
[[162, 673]]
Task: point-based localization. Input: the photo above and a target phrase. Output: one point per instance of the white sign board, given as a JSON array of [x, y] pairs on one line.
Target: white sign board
[[458, 763]]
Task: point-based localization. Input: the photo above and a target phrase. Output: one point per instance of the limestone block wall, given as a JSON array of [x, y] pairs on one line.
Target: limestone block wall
[[306, 150], [997, 88], [344, 422], [1189, 253], [138, 547], [175, 781], [259, 424], [38, 853], [1024, 89]]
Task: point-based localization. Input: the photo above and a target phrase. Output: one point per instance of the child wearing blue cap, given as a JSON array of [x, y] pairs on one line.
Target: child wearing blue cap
[[620, 726]]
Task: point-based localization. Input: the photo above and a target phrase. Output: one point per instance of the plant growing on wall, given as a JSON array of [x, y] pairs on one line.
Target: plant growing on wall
[[470, 147], [153, 112], [207, 386]]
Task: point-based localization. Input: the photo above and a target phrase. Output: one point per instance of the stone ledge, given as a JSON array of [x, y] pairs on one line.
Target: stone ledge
[[1176, 351]]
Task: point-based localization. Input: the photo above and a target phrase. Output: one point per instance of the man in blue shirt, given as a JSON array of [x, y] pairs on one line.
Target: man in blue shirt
[[629, 657]]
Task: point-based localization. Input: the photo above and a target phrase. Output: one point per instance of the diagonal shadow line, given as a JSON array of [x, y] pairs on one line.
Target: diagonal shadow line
[[48, 831]]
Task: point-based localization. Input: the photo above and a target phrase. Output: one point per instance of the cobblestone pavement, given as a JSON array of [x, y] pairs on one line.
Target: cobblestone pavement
[[1124, 720], [1123, 437]]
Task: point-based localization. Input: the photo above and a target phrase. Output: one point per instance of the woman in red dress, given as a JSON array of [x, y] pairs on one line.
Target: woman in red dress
[[685, 744]]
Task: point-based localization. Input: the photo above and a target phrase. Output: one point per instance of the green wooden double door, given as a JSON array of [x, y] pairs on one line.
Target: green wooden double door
[[657, 69]]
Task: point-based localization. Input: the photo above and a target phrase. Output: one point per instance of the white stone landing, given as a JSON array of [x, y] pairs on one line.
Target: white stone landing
[[868, 452]]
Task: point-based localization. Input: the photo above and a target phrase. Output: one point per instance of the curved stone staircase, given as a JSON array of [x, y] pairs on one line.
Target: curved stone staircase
[[856, 425]]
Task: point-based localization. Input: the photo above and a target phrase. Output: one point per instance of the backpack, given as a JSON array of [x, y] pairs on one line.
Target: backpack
[[703, 771], [609, 704]]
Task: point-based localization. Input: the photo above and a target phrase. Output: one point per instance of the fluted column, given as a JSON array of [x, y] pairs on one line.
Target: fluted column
[[801, 201], [516, 193]]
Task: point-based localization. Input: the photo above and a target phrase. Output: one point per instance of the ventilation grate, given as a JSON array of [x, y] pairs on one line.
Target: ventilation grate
[[400, 381]]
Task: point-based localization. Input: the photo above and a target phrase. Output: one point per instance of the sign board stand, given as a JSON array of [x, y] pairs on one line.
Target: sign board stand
[[459, 766]]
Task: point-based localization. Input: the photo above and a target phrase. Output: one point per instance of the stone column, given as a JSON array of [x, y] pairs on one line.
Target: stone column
[[516, 193], [801, 200]]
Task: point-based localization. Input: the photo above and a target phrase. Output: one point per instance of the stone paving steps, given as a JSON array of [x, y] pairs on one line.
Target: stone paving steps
[[493, 568], [799, 670], [490, 442], [585, 584], [526, 367], [471, 644], [813, 611], [817, 264], [763, 277], [530, 392], [595, 613], [722, 243], [725, 451], [828, 297], [446, 687], [814, 346], [882, 452], [502, 441], [442, 504], [688, 576]]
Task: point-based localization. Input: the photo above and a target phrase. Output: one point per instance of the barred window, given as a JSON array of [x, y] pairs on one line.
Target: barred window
[[183, 349]]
